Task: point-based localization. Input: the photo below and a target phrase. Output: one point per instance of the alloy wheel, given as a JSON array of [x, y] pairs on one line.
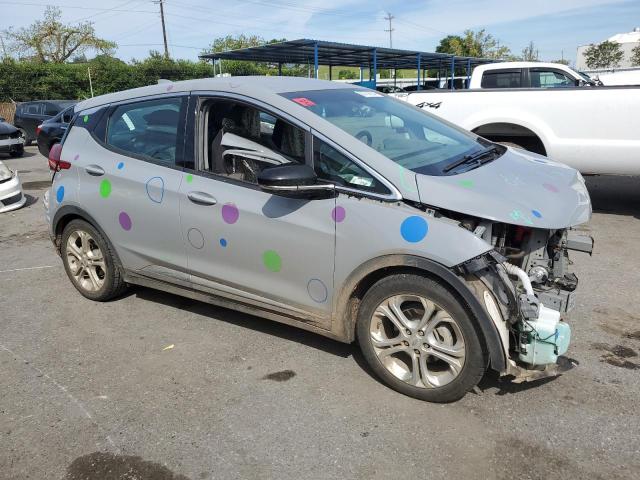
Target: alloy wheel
[[417, 341], [86, 261]]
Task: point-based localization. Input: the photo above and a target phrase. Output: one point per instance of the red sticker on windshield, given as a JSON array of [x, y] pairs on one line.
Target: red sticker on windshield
[[305, 102]]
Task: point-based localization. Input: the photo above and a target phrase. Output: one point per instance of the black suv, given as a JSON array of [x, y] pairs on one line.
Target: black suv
[[31, 114], [52, 130]]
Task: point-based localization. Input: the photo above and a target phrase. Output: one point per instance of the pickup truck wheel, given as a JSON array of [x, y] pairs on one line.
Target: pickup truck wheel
[[90, 263], [419, 340]]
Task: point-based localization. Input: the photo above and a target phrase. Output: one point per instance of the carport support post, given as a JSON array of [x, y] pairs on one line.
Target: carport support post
[[315, 60], [330, 75], [419, 86], [468, 72], [453, 66], [375, 67], [361, 73]]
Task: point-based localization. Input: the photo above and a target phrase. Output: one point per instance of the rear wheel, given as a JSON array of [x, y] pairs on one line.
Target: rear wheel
[[17, 151], [90, 262], [419, 339]]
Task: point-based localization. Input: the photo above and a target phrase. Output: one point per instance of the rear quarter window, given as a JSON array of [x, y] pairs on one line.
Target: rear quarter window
[[502, 79]]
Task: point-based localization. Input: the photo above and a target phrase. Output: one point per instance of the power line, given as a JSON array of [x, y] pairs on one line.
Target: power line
[[390, 17]]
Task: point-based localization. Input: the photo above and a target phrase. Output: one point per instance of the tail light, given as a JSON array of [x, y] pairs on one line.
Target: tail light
[[38, 128], [55, 163]]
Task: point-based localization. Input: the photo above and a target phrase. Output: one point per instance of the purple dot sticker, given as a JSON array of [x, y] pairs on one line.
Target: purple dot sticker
[[338, 214], [536, 213], [75, 159], [125, 221], [551, 188], [317, 290], [230, 213], [169, 88]]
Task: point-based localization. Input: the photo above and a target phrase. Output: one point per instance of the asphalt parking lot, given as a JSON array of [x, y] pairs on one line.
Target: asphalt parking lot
[[164, 387]]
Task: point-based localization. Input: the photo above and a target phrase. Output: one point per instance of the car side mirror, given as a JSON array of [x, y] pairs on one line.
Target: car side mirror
[[293, 180]]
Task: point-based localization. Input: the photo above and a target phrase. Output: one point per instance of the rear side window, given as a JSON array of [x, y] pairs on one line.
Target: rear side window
[[51, 110], [550, 79], [32, 109], [502, 79], [149, 130]]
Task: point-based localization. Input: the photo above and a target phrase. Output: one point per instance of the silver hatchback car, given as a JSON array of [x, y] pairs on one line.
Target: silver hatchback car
[[330, 207]]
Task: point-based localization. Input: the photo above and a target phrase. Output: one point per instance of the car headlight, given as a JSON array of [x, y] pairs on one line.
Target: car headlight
[[5, 173]]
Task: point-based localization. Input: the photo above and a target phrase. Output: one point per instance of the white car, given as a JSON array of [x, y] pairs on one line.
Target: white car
[[11, 197], [548, 109]]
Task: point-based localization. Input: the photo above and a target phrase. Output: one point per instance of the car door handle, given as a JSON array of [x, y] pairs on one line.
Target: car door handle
[[94, 170], [201, 198]]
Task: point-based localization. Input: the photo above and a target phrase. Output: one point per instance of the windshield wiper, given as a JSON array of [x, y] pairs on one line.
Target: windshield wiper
[[472, 158]]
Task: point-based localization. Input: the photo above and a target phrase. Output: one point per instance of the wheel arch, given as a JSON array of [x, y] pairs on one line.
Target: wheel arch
[[360, 281], [512, 131]]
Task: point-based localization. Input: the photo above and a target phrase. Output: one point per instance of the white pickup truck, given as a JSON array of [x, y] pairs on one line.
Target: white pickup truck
[[548, 109]]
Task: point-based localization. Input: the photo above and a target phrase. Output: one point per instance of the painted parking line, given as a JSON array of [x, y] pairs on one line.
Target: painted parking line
[[29, 268]]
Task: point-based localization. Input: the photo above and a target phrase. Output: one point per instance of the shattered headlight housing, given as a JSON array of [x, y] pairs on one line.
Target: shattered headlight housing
[[5, 173]]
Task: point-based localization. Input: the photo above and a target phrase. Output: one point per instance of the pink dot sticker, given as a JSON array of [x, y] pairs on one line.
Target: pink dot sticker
[[125, 221], [230, 213], [338, 214], [551, 188]]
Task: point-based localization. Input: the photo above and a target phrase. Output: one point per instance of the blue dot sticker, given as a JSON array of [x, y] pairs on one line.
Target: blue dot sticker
[[223, 242], [414, 229], [60, 194], [536, 213], [120, 165]]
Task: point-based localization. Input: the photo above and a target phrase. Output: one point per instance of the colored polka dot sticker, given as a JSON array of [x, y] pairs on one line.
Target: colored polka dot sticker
[[414, 229], [317, 290], [466, 183], [195, 237], [120, 166], [85, 119], [223, 242], [125, 221], [169, 88], [338, 214], [155, 189], [189, 178], [75, 159], [272, 260], [517, 215], [536, 213], [60, 194], [550, 187], [105, 188], [230, 213]]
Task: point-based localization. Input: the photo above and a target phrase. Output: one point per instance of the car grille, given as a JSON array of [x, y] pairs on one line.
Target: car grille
[[11, 200], [6, 136]]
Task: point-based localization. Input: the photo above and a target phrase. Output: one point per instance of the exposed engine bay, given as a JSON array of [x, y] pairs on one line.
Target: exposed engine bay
[[529, 288]]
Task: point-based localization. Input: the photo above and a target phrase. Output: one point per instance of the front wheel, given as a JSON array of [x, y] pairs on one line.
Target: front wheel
[[17, 151], [90, 262], [419, 339]]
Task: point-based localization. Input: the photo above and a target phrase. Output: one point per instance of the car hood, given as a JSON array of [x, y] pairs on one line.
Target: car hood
[[6, 128], [519, 188]]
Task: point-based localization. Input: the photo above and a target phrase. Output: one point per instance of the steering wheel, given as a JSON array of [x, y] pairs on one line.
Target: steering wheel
[[365, 136]]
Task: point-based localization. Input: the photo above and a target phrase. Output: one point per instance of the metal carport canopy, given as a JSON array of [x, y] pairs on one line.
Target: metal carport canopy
[[319, 52]]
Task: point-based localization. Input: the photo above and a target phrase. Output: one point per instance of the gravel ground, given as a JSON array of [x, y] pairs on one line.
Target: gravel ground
[[164, 387]]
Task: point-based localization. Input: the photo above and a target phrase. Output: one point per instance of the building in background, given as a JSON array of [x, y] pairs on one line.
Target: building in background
[[627, 41]]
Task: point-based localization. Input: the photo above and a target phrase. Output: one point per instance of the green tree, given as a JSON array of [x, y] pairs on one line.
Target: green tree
[[474, 44], [603, 55], [347, 75], [49, 40], [635, 56], [530, 53]]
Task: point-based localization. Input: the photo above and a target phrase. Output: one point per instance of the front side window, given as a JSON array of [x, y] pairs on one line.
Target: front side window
[[502, 79], [412, 138], [148, 129], [51, 109], [550, 79], [239, 140]]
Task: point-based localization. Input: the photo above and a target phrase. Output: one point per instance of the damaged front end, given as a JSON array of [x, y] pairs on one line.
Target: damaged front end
[[527, 287]]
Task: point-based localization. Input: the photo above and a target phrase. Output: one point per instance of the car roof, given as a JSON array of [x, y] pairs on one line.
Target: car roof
[[257, 86], [505, 65]]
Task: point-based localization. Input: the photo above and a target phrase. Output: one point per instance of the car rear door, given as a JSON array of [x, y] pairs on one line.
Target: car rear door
[[246, 244], [130, 170]]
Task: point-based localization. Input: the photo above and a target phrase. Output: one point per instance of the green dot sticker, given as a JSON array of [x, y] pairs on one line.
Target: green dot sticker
[[189, 178], [105, 188], [272, 260], [466, 183], [85, 119]]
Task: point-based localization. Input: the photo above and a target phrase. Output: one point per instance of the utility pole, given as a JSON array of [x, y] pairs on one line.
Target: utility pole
[[390, 17], [164, 29]]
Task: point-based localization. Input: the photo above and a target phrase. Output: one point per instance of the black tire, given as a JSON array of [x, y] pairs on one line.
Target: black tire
[[114, 284], [27, 140], [409, 284], [17, 152]]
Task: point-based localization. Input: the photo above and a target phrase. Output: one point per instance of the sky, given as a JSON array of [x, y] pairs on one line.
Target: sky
[[557, 27]]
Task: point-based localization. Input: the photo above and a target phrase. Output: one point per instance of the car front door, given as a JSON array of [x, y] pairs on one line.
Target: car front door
[[130, 172], [242, 243]]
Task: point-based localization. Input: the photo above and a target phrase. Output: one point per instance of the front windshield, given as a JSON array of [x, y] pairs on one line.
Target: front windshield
[[413, 139]]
